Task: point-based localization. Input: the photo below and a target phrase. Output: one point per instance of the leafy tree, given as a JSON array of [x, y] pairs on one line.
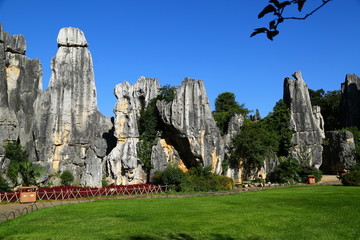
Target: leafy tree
[[167, 93], [252, 145], [149, 126], [279, 122], [277, 8], [20, 164], [226, 107], [329, 103]]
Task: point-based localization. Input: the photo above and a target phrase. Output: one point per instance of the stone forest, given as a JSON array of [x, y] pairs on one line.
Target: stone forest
[[61, 129]]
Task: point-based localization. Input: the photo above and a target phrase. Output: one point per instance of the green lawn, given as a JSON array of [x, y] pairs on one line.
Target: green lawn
[[317, 212]]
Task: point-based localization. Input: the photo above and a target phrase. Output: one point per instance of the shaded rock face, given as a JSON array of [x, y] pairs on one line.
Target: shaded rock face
[[338, 152], [122, 164], [21, 83], [69, 130], [234, 127], [350, 101], [190, 127], [307, 125]]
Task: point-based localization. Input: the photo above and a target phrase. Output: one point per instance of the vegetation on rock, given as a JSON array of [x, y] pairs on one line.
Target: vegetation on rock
[[20, 166], [149, 127], [329, 103], [226, 107], [66, 178]]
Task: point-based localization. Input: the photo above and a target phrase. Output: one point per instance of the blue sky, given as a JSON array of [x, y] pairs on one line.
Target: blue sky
[[201, 39]]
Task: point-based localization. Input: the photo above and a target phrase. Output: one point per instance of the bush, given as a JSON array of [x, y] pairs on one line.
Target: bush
[[199, 179], [211, 183], [286, 172], [4, 186], [351, 178], [171, 176], [305, 171], [66, 178], [21, 165]]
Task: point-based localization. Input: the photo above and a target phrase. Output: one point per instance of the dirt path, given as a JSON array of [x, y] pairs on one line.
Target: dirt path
[[13, 210]]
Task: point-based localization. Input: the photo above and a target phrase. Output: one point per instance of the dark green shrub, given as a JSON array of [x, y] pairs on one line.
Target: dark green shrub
[[286, 172], [351, 178], [170, 176], [4, 186], [211, 183], [66, 178], [306, 170], [20, 165], [104, 182]]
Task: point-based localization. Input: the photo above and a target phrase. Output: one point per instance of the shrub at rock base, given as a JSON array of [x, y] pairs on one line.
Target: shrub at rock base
[[171, 176], [351, 178], [305, 171], [196, 180], [209, 184], [66, 178], [4, 186]]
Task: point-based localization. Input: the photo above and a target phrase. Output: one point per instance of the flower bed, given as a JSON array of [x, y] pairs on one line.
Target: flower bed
[[71, 192]]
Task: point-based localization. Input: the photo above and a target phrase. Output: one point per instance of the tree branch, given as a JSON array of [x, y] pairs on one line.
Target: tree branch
[[309, 14]]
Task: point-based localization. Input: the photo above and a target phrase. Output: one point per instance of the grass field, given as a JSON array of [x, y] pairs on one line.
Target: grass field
[[317, 212]]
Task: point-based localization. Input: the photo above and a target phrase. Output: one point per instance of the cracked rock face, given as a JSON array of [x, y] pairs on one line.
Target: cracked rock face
[[122, 164], [69, 129], [307, 125], [338, 152], [350, 101], [235, 124], [191, 128], [20, 81]]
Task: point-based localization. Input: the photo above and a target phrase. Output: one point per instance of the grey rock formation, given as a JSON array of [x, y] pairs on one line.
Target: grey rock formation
[[190, 127], [20, 80], [122, 164], [69, 129], [234, 127], [350, 101], [308, 132], [338, 152], [71, 37]]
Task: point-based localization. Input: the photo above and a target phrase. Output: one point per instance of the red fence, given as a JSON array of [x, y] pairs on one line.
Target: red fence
[[69, 192]]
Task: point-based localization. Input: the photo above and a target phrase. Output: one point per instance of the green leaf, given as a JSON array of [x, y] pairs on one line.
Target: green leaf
[[276, 3], [268, 9], [300, 4], [272, 24]]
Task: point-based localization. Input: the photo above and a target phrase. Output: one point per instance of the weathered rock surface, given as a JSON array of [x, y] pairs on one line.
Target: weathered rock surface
[[122, 164], [338, 152], [69, 129], [234, 127], [350, 101], [71, 37], [190, 127], [20, 80], [307, 125]]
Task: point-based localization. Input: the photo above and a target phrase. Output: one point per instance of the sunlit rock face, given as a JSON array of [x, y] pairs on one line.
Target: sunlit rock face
[[20, 81], [307, 125], [350, 101], [69, 130], [122, 164], [190, 127]]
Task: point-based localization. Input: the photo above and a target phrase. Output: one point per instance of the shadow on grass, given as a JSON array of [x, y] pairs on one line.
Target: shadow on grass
[[185, 236]]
